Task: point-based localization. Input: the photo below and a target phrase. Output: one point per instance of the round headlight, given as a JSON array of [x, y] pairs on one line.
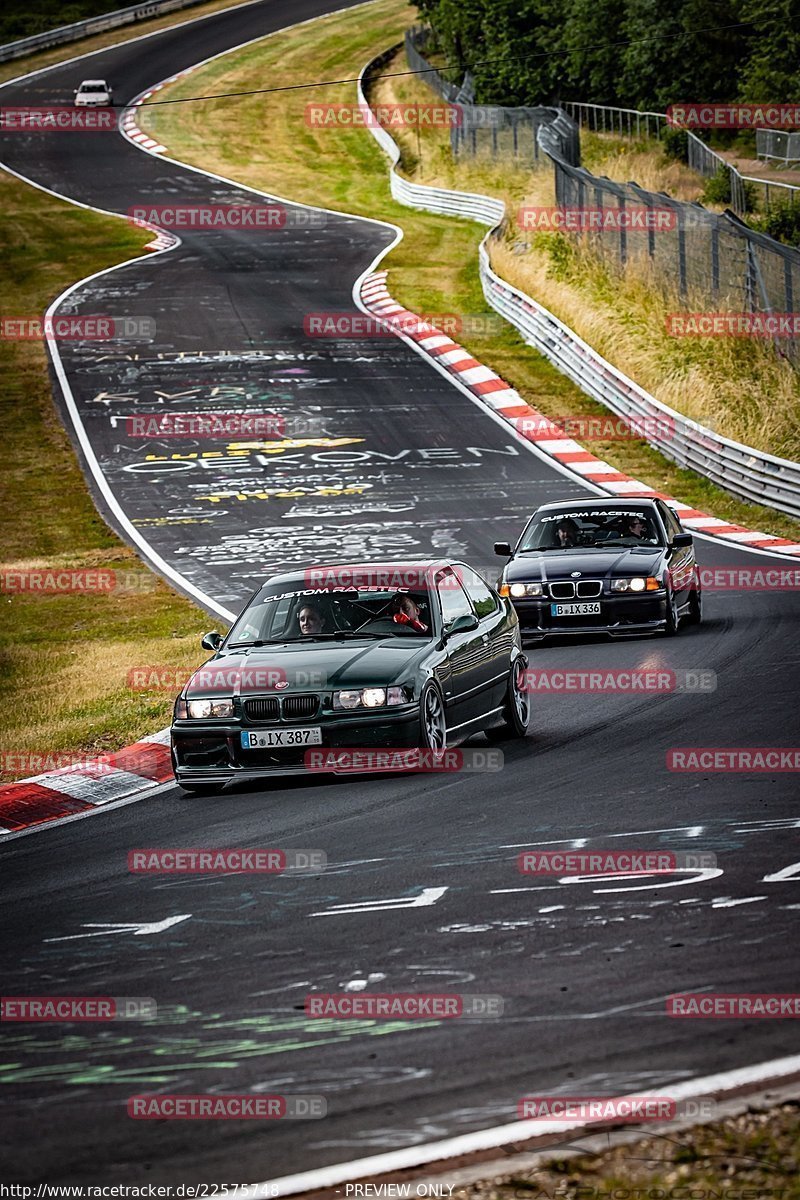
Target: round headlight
[[637, 585], [347, 699], [373, 697], [517, 590]]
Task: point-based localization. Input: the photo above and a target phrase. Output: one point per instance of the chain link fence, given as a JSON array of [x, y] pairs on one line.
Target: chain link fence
[[773, 144], [489, 128], [744, 189], [707, 262]]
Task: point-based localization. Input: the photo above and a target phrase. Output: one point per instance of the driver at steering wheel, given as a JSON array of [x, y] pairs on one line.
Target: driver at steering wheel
[[407, 612]]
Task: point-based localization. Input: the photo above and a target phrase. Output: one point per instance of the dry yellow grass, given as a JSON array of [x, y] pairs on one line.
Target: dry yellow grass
[[641, 161], [737, 386]]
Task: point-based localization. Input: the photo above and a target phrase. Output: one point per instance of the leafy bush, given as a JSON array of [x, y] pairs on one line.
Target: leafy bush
[[676, 144], [717, 189], [781, 221]]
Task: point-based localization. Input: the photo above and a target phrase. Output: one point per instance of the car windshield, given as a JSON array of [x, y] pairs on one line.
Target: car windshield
[[592, 529], [293, 613], [92, 87]]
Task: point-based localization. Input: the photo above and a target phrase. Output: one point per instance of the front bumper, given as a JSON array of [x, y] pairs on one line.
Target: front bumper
[[210, 752], [624, 613]]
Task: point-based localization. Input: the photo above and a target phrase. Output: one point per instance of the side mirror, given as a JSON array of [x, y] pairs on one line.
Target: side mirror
[[211, 641], [503, 548], [462, 624], [683, 539]]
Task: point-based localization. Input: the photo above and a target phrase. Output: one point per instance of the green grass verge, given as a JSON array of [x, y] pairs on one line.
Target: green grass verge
[[64, 659]]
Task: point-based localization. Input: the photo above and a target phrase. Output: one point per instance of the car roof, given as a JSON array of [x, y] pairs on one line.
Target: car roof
[[99, 82], [599, 502]]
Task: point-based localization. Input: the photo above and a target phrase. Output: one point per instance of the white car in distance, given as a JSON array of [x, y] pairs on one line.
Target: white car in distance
[[93, 93]]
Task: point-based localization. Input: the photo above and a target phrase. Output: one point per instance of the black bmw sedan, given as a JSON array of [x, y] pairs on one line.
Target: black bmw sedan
[[602, 565], [420, 654]]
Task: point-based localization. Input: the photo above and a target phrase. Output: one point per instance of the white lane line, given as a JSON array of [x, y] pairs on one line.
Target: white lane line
[[502, 1135], [136, 928], [790, 872], [426, 898], [725, 902]]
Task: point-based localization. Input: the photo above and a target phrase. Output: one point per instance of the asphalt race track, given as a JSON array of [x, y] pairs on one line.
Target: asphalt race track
[[427, 471]]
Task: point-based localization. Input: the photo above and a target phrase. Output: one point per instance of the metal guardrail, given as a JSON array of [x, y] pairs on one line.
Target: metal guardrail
[[82, 29], [778, 145], [742, 470], [628, 122]]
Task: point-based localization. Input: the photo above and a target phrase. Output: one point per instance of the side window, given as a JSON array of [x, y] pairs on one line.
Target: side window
[[452, 598], [483, 600], [670, 520]]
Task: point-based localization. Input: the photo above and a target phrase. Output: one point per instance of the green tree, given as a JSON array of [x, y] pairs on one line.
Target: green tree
[[772, 70], [590, 68]]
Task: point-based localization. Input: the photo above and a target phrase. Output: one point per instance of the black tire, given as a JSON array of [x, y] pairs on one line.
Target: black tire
[[673, 620], [695, 614], [517, 707], [432, 718]]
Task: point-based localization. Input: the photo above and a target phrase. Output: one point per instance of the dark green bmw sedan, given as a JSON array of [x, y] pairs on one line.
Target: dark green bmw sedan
[[358, 656]]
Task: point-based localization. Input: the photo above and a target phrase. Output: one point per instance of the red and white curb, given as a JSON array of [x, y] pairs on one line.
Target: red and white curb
[[90, 784], [532, 425], [128, 123], [130, 130]]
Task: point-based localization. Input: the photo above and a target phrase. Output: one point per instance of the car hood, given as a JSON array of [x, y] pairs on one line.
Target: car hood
[[592, 564], [283, 669]]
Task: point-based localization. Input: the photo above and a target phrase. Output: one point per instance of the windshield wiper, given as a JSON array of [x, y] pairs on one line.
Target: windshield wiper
[[260, 642], [353, 633]]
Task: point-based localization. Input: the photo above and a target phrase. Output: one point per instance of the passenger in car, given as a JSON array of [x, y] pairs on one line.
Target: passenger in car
[[310, 620]]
